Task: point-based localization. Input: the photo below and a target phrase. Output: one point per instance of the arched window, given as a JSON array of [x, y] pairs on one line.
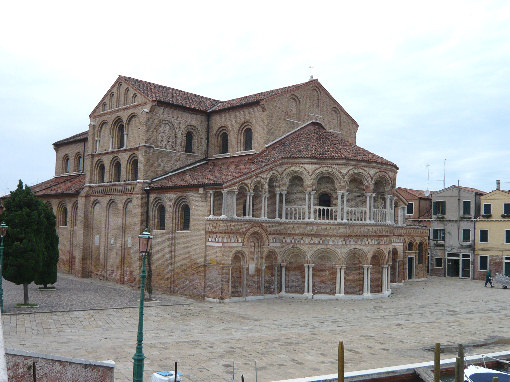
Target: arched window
[[104, 106], [100, 173], [185, 217], [62, 215], [324, 200], [116, 171], [189, 142], [78, 163], [410, 246], [133, 169], [65, 165], [126, 96], [98, 137], [248, 137], [117, 101], [118, 137], [111, 101], [161, 217], [133, 99], [223, 143]]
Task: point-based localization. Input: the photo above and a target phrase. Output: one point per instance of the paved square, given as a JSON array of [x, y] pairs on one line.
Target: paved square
[[287, 337]]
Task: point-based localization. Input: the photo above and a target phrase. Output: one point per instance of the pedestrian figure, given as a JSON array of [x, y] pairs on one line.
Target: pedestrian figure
[[488, 279]]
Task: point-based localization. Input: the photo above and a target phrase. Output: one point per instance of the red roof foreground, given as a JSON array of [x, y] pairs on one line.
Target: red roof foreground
[[65, 184], [312, 141]]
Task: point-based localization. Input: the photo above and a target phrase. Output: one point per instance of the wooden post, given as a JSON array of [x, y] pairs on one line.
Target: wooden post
[[457, 370], [461, 364], [437, 363], [341, 361], [175, 371]]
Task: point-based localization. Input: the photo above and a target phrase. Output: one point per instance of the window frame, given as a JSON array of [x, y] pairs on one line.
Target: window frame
[[490, 209], [464, 207], [439, 207], [480, 235], [507, 236], [435, 262], [487, 264], [463, 231], [438, 230], [506, 212], [412, 208]]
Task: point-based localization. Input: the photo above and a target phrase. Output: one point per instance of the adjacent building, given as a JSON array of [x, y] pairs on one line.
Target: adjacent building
[[253, 197], [493, 234], [452, 232]]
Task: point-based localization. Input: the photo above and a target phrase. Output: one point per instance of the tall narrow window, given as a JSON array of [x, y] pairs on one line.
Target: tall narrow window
[[126, 97], [224, 143], [133, 171], [484, 236], [410, 208], [116, 172], [161, 217], [248, 137], [66, 165], [466, 235], [100, 173], [506, 208], [466, 207], [410, 246], [487, 209], [186, 217], [189, 142]]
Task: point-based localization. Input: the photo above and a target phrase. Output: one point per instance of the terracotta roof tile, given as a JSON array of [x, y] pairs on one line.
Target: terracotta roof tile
[[65, 184], [312, 141], [414, 193], [73, 138], [257, 97], [170, 95]]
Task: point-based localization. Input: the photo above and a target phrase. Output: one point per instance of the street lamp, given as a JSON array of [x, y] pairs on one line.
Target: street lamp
[[3, 231], [145, 242]]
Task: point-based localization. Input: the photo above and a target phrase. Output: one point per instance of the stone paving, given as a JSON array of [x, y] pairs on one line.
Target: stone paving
[[288, 338]]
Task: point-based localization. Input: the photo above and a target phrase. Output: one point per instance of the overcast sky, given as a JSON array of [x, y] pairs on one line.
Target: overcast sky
[[426, 81]]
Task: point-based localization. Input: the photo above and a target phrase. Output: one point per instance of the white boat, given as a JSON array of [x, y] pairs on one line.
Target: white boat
[[474, 373]]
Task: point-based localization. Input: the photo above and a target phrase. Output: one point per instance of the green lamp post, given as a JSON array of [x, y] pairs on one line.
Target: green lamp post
[[3, 231], [145, 242]]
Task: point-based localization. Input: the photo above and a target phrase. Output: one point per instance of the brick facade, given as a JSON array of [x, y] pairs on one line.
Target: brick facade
[[303, 211]]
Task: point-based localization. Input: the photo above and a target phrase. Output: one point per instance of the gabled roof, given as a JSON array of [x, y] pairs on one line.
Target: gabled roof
[[311, 141], [65, 184], [497, 191], [409, 193], [73, 138], [155, 92], [468, 189]]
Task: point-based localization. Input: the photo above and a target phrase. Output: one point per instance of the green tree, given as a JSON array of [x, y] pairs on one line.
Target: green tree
[[24, 242], [48, 272]]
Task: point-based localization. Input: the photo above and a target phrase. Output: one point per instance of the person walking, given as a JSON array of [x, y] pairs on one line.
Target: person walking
[[488, 279]]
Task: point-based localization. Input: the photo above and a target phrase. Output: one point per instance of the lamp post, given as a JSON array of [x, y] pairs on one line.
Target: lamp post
[[3, 231], [145, 242]]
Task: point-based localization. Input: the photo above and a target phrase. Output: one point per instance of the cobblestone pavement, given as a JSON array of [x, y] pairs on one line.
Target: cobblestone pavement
[[287, 337]]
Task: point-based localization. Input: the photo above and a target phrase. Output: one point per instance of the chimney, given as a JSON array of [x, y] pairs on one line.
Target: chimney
[[498, 184]]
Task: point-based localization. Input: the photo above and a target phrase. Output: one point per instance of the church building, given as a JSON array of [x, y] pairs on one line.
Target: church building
[[255, 197]]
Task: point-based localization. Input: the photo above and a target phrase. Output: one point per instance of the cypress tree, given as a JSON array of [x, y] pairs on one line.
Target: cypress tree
[[48, 272], [23, 244]]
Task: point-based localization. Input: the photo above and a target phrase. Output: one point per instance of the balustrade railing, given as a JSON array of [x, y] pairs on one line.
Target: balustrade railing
[[356, 214], [326, 213], [295, 213], [380, 215]]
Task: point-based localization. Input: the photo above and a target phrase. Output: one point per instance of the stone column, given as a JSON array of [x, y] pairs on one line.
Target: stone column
[[283, 204], [306, 279], [234, 208], [247, 204], [306, 204], [384, 278], [312, 212], [250, 214], [339, 206], [368, 207], [264, 206], [310, 281], [277, 216], [230, 281], [372, 202], [262, 271], [365, 280], [211, 193], [275, 279], [283, 278], [369, 275], [244, 281], [342, 280], [337, 288], [388, 278], [345, 206], [224, 204]]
